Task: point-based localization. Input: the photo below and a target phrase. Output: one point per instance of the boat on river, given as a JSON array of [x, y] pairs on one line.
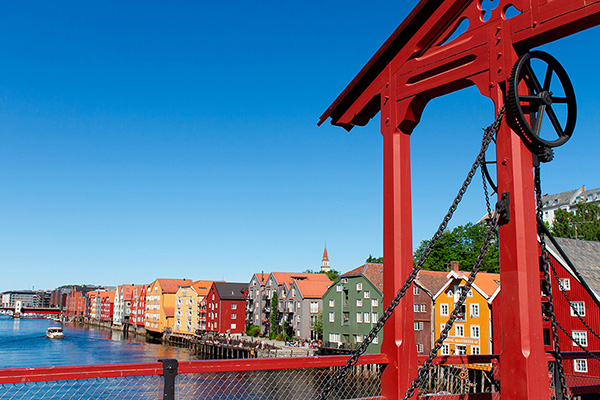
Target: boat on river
[[55, 332]]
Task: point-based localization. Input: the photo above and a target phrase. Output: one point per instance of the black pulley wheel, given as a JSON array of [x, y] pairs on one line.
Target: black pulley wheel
[[542, 99], [488, 165]]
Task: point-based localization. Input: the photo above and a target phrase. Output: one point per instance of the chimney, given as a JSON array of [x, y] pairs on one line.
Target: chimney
[[454, 266]]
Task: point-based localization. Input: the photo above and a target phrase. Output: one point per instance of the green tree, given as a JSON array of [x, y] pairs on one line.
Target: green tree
[[318, 325], [584, 224], [374, 260], [461, 244], [332, 274], [274, 316]]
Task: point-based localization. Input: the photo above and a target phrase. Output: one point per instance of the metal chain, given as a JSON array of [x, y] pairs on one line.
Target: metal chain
[[333, 383], [492, 231], [562, 328], [546, 269]]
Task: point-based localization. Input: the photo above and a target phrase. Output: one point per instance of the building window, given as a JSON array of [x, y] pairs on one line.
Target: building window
[[358, 338], [475, 350], [314, 307], [474, 310], [367, 294], [449, 293], [564, 284], [375, 303], [419, 348], [233, 325], [331, 317], [474, 331], [359, 286], [580, 337], [367, 318], [375, 340], [234, 316], [444, 310], [461, 350], [416, 308], [297, 305], [359, 317], [579, 307], [374, 317], [345, 317], [459, 330], [423, 308], [415, 290], [445, 349], [331, 303], [418, 326], [334, 337], [339, 288], [580, 365], [234, 306]]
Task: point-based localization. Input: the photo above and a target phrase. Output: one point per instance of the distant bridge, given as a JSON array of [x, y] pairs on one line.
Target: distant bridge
[[32, 310]]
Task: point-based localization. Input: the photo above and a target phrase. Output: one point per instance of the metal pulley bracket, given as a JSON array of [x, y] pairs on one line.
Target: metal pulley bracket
[[540, 93], [503, 209]]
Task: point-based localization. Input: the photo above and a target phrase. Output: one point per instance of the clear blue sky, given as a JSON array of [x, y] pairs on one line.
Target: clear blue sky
[[149, 139]]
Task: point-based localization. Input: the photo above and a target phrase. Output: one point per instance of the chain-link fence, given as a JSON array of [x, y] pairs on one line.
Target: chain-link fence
[[454, 377]]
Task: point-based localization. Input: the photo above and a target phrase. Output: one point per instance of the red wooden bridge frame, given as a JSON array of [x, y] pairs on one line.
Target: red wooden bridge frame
[[414, 66]]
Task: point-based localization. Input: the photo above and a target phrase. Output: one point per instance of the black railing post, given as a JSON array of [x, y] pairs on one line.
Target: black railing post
[[170, 370]]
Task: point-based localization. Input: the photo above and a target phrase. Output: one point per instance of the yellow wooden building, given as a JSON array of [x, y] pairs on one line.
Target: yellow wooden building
[[160, 305], [472, 331], [187, 301]]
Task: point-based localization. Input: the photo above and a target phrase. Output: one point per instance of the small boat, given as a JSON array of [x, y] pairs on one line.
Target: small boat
[[55, 332]]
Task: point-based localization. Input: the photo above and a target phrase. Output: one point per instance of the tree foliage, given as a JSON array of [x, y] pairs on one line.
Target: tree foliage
[[374, 260], [461, 244], [318, 325], [274, 316], [584, 224], [332, 274]]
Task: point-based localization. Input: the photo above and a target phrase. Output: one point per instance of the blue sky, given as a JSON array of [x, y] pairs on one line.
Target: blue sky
[[147, 139]]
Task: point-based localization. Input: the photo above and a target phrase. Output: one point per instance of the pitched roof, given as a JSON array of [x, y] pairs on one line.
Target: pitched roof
[[373, 272], [172, 285], [486, 282], [312, 289], [432, 281], [325, 255], [169, 312], [230, 290], [289, 277], [203, 287], [585, 256]]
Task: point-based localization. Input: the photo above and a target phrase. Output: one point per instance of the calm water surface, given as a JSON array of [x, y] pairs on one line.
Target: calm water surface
[[23, 343]]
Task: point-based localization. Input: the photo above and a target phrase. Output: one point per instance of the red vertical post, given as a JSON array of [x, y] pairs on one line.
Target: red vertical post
[[398, 334], [523, 364]]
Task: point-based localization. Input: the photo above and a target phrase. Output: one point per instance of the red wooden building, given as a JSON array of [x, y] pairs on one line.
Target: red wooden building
[[226, 307], [107, 304], [138, 306]]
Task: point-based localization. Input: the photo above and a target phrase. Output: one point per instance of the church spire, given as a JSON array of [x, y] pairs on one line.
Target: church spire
[[325, 262]]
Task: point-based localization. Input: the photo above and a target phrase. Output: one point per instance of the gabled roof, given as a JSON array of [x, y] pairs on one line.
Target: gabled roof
[[203, 287], [230, 290], [373, 272], [432, 281], [289, 277], [262, 277], [485, 283], [172, 285], [312, 289], [585, 256]]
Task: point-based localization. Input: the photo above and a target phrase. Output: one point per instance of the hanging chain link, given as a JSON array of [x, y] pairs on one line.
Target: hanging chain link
[[492, 232], [546, 262], [333, 383]]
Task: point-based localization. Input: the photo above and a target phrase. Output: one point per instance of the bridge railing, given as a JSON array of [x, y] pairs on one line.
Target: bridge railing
[[452, 377]]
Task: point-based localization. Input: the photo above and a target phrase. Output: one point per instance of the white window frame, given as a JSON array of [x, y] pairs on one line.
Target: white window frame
[[579, 337], [475, 331], [580, 307], [461, 349], [359, 302], [445, 351], [418, 325], [580, 365], [564, 284], [331, 316], [367, 294], [459, 330], [331, 302], [416, 308], [358, 286], [474, 310], [339, 288], [367, 317], [419, 348], [314, 307], [444, 309], [415, 290], [475, 350], [335, 337], [374, 302], [359, 318]]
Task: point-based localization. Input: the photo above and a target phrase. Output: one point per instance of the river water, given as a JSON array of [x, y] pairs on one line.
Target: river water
[[23, 343]]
